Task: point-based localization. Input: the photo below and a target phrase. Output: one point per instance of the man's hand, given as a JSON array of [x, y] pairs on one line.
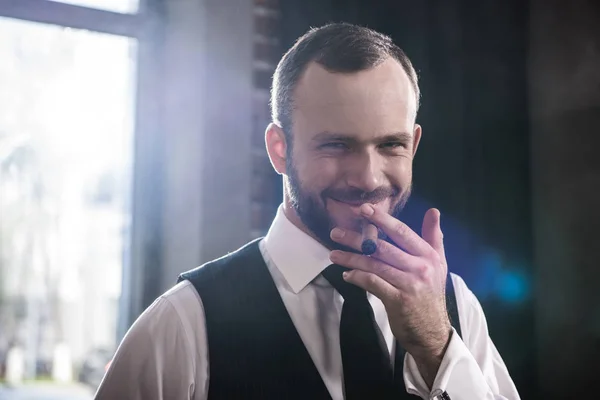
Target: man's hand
[[410, 280]]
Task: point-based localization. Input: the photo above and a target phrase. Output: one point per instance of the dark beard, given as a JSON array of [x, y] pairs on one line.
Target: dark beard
[[314, 215]]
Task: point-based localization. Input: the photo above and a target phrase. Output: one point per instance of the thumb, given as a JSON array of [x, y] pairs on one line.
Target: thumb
[[432, 231]]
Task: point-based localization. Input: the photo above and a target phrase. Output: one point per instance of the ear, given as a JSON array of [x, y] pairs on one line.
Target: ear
[[416, 138], [276, 147]]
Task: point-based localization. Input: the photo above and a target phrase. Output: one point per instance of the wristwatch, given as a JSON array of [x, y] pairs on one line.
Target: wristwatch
[[439, 395]]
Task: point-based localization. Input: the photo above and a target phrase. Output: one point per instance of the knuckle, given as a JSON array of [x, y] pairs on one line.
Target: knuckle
[[371, 279], [400, 228], [383, 248], [428, 276], [380, 268], [385, 270], [424, 272], [399, 297], [420, 270], [352, 259], [373, 265]]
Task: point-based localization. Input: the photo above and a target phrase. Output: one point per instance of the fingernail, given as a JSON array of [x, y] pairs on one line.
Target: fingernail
[[367, 209], [337, 233], [346, 274], [335, 256]]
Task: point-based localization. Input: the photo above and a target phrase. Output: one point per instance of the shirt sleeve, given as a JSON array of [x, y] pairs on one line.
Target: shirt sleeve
[[470, 369], [154, 361]]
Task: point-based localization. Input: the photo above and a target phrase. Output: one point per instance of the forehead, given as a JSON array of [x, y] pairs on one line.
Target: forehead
[[380, 99]]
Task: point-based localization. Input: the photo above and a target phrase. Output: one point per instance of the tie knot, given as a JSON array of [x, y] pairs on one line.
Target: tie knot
[[333, 274]]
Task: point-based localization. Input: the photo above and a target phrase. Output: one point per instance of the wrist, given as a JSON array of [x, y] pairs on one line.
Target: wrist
[[429, 358], [435, 348]]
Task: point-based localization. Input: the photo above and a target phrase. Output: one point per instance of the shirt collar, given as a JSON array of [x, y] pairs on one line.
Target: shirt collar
[[298, 257]]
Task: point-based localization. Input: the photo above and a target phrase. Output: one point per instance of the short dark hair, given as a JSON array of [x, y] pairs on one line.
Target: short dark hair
[[339, 47]]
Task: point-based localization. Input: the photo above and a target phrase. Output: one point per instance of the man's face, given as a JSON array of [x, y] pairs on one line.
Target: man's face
[[354, 139]]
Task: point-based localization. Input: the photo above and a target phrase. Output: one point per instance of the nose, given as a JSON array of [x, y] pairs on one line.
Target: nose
[[365, 171]]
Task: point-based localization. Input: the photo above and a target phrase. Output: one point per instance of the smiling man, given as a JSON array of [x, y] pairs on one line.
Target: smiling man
[[302, 314]]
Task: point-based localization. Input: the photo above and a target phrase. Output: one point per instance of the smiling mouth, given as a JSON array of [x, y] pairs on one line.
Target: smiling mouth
[[353, 203]]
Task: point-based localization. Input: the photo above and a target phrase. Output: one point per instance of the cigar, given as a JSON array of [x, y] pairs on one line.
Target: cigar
[[369, 243]]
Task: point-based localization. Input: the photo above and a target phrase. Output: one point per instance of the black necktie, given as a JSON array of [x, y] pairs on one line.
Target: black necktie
[[367, 370]]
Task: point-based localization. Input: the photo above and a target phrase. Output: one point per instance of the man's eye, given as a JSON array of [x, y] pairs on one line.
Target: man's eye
[[392, 145], [335, 146]]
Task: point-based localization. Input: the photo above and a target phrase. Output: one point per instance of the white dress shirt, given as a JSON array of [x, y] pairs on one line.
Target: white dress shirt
[[165, 353]]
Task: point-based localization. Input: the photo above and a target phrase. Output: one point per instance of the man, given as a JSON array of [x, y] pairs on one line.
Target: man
[[302, 314]]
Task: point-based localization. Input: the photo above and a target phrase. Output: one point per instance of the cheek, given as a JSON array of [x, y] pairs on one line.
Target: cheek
[[400, 172], [318, 174]]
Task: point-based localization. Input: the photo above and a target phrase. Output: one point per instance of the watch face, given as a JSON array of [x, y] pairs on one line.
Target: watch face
[[439, 395]]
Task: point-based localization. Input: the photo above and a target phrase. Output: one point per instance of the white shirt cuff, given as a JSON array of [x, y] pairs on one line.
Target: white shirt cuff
[[459, 375]]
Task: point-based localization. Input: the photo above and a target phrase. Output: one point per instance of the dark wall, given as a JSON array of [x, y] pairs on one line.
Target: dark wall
[[564, 70], [473, 163]]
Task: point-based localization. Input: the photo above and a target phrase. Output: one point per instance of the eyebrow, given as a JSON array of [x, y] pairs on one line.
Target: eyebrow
[[346, 137]]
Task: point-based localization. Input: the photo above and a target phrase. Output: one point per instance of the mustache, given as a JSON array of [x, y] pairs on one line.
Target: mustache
[[353, 195]]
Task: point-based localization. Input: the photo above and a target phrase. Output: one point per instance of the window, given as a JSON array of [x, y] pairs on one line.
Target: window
[[66, 155]]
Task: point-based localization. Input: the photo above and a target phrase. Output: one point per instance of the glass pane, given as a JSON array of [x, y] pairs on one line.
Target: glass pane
[[66, 133], [121, 6]]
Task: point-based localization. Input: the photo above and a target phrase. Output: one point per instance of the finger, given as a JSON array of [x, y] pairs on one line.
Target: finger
[[397, 230], [394, 276], [386, 252], [372, 284], [347, 238], [432, 231]]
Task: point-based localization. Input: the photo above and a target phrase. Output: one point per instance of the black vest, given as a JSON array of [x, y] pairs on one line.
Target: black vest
[[254, 349]]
